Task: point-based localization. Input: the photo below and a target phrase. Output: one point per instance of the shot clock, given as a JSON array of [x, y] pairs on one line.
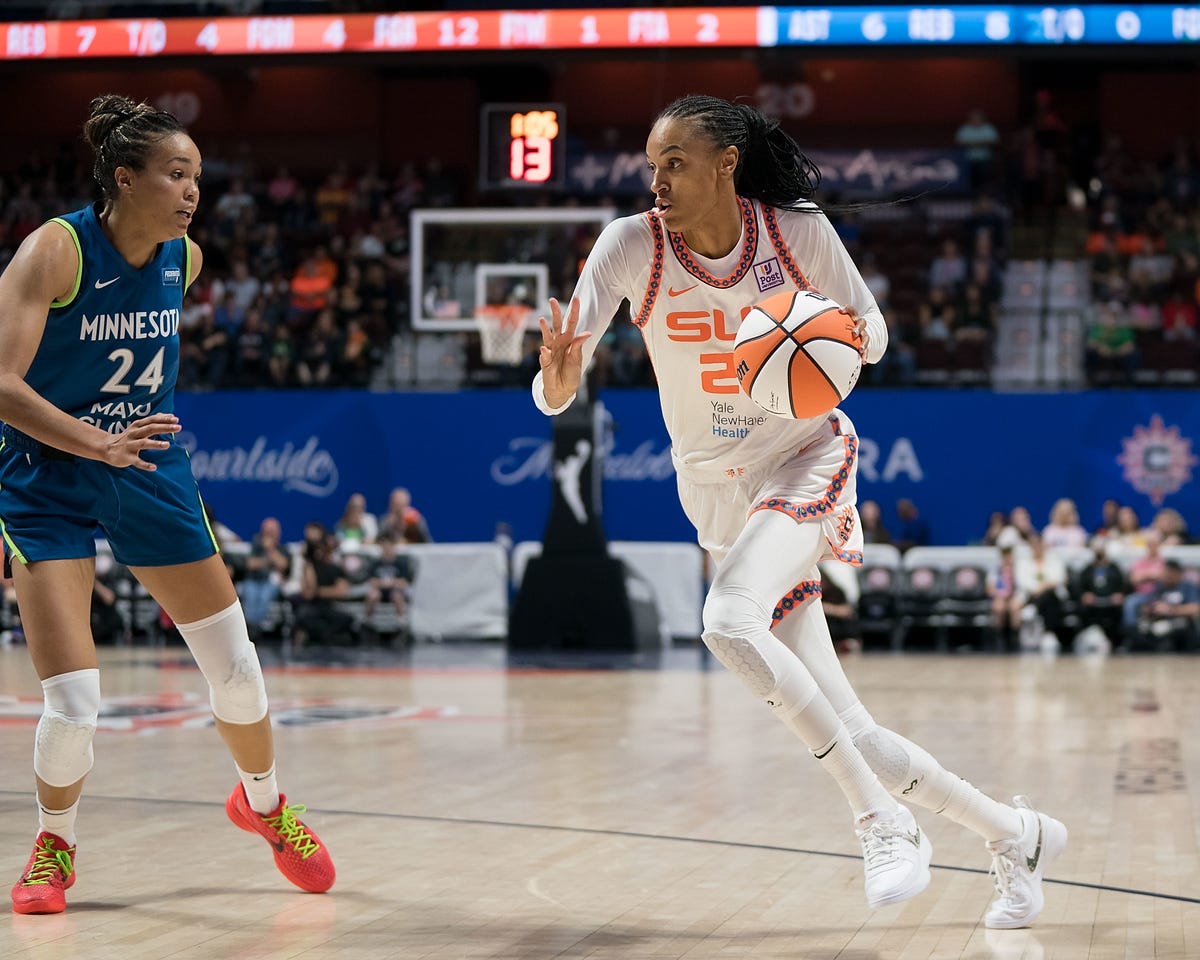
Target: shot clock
[[522, 145]]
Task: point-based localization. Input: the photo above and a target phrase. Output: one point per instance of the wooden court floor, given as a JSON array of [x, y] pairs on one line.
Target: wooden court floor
[[476, 811]]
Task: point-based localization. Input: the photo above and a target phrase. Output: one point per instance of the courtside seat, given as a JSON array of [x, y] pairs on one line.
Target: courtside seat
[[920, 592], [965, 603], [877, 606]]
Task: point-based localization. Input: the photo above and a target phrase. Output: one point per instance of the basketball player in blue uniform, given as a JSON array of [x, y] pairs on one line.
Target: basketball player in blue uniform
[[89, 317]]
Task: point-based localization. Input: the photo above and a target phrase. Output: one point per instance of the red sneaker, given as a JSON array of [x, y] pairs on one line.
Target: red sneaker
[[48, 874], [299, 855]]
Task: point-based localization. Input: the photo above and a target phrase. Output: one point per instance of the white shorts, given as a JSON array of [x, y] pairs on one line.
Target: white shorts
[[815, 484]]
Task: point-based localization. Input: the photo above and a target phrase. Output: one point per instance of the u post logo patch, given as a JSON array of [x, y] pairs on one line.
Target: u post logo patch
[[172, 276], [769, 274]]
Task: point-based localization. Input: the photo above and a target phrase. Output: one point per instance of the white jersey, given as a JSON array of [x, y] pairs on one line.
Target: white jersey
[[689, 309]]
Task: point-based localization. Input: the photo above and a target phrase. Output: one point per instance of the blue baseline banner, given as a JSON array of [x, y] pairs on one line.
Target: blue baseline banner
[[475, 459]]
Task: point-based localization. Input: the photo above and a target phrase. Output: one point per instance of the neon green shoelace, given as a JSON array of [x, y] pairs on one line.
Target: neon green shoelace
[[46, 863], [293, 831]]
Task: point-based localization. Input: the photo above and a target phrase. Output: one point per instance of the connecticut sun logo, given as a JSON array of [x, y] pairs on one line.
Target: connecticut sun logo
[[1157, 460]]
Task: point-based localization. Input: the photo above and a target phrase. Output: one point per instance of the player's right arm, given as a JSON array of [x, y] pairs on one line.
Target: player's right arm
[[570, 339], [43, 271]]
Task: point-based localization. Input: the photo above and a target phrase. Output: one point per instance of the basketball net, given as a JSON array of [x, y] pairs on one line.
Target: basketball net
[[502, 332]]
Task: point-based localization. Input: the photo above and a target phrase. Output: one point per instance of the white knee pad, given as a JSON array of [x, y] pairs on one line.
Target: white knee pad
[[62, 748], [907, 770], [222, 649], [886, 757], [731, 616]]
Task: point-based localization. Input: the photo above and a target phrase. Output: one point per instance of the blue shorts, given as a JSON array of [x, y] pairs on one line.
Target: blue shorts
[[51, 505]]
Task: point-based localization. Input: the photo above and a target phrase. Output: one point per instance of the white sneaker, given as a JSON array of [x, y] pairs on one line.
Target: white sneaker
[[1018, 866], [896, 856]]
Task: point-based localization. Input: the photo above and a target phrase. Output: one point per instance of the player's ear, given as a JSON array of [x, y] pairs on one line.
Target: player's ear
[[728, 161], [123, 178]]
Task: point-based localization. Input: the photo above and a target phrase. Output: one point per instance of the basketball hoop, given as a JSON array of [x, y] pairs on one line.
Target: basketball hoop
[[502, 333]]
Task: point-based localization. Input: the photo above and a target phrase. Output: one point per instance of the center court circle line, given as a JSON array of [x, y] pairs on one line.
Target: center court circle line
[[634, 835]]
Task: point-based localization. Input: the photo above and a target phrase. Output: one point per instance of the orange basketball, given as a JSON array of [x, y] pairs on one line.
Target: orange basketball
[[796, 354]]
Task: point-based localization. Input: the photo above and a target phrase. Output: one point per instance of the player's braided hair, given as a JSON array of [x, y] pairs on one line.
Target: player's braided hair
[[121, 133], [771, 166]]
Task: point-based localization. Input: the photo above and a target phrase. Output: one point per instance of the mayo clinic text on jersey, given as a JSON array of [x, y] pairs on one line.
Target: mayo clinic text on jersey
[[137, 325]]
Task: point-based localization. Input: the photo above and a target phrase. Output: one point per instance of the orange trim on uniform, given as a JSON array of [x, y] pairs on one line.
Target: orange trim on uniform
[[745, 261], [656, 271], [800, 594], [781, 248], [828, 503]]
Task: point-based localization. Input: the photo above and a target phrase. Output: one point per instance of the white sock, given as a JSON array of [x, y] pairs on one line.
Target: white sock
[[61, 823], [862, 788], [262, 790]]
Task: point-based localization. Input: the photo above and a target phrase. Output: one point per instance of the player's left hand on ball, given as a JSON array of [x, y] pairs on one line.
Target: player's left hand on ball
[[860, 329], [125, 449]]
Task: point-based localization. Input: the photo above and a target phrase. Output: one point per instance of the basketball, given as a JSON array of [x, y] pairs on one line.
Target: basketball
[[796, 354]]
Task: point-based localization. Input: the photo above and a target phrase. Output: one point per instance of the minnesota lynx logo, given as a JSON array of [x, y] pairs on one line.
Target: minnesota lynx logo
[[1157, 460]]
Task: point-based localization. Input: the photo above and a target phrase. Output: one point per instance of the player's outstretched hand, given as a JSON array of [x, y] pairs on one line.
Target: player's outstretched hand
[[860, 329], [125, 449], [561, 356]]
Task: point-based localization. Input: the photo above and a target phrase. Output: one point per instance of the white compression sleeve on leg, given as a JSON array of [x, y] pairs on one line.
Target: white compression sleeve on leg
[[222, 649], [774, 674], [62, 748], [911, 772]]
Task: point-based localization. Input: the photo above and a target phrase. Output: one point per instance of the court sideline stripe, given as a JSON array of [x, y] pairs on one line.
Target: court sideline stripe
[[632, 834]]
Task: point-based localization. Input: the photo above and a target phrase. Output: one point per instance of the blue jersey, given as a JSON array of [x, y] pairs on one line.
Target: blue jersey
[[110, 351]]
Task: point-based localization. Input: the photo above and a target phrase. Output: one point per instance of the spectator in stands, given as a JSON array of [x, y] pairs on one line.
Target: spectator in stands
[[243, 285], [324, 583], [267, 567], [404, 522], [1172, 527], [876, 280], [1108, 518], [1042, 581], [997, 521], [1171, 613], [281, 363], [282, 189], [250, 351], [1007, 600], [1020, 526], [1100, 591], [356, 524], [1179, 315], [978, 140], [840, 610], [1111, 345], [357, 358], [108, 624], [207, 355], [312, 286], [948, 272], [389, 579], [976, 316], [912, 530], [236, 205], [871, 519], [898, 366], [936, 317], [1144, 574], [1128, 532], [1064, 528], [319, 356]]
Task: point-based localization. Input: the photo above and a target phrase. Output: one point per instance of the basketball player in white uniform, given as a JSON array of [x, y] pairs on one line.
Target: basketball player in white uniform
[[732, 223]]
